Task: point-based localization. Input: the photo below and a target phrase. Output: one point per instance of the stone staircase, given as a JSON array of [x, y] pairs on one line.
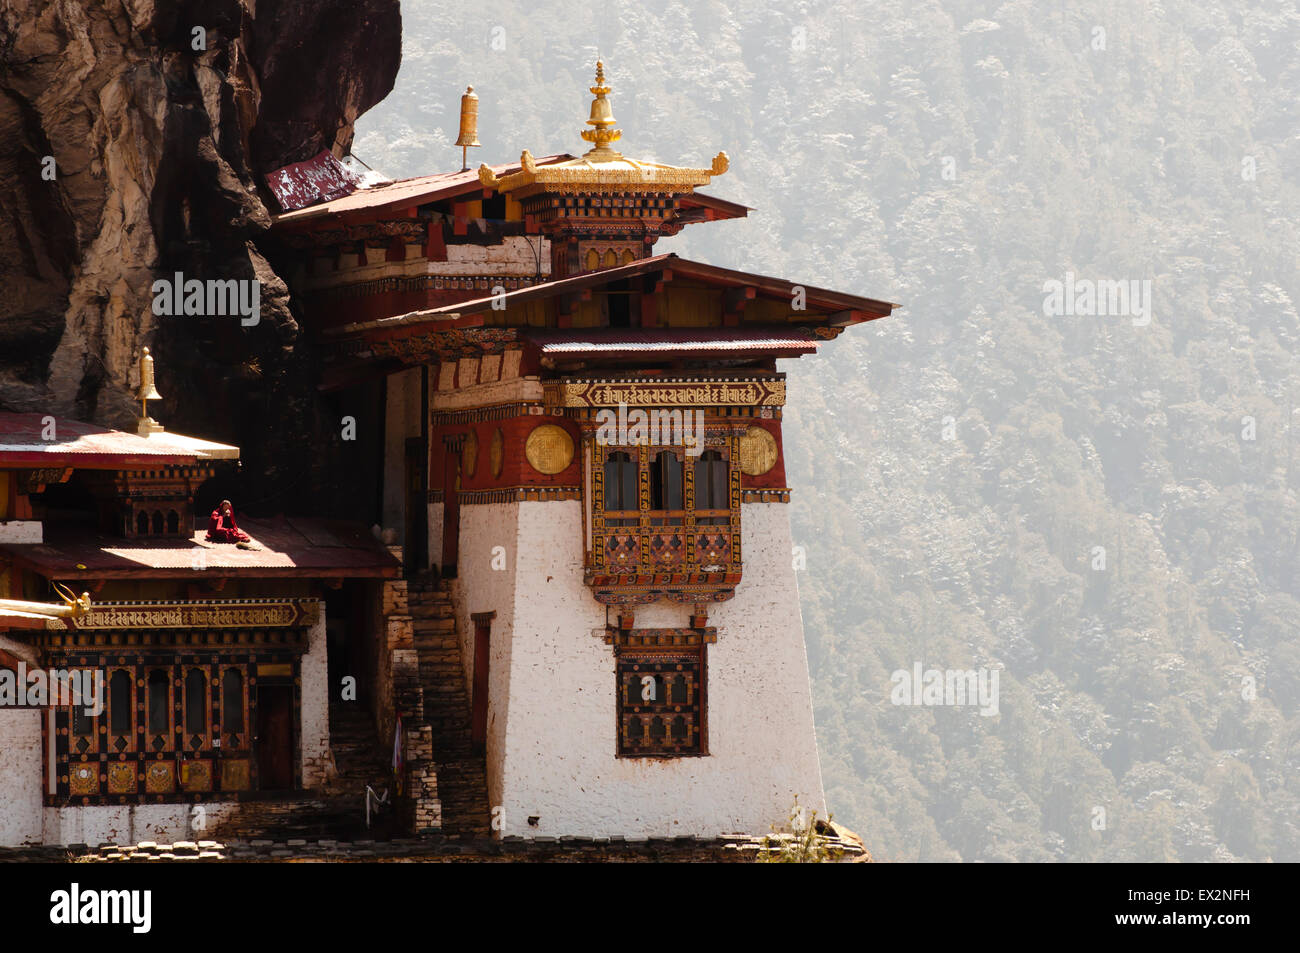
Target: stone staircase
[[337, 810], [360, 760], [462, 774]]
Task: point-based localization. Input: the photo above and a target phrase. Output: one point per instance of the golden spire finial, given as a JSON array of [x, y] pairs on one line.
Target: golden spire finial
[[146, 393], [602, 118]]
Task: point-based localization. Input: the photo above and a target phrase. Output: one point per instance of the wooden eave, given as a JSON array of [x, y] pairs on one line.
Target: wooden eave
[[824, 307]]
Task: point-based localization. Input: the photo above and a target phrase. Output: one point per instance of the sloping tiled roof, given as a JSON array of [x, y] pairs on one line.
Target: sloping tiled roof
[[80, 444], [402, 193], [320, 178], [294, 546]]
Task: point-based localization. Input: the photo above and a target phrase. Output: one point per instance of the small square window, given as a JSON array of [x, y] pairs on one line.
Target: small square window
[[660, 703]]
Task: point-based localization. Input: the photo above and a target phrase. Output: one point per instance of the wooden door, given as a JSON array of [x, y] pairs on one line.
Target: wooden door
[[479, 699], [451, 506], [274, 737]]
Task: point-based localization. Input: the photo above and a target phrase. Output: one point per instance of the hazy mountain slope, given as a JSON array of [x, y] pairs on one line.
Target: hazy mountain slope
[[1167, 444]]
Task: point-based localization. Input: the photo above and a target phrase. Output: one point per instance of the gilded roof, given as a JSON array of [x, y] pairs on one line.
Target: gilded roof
[[601, 168]]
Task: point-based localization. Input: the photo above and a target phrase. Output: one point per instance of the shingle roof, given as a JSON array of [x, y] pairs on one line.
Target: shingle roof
[[291, 546], [76, 443]]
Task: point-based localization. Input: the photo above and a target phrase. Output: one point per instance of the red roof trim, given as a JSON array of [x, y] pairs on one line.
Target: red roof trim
[[365, 204]]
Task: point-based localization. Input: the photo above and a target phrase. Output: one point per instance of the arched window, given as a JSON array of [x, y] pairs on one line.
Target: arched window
[[196, 708], [119, 703], [680, 694], [657, 730], [173, 522], [232, 702], [610, 259], [142, 524], [82, 723], [81, 727], [620, 482], [627, 256], [593, 259], [158, 701], [666, 481], [641, 693], [680, 733], [157, 523]]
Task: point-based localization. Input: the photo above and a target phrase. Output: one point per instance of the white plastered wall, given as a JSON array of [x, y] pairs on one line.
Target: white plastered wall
[[20, 777], [551, 730]]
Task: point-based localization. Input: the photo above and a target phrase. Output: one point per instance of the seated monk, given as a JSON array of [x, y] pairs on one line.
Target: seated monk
[[222, 528]]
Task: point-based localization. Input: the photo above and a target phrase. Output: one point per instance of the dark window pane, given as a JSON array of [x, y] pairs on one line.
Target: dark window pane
[[196, 691], [656, 483], [82, 724], [119, 703], [710, 481], [232, 704], [620, 482], [159, 712], [630, 497], [666, 482], [679, 691]]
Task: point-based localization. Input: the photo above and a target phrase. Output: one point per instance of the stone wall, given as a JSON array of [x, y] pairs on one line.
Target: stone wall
[[132, 823], [21, 819], [317, 762]]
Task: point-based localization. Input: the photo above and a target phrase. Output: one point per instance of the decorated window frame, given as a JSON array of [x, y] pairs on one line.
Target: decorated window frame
[[648, 541], [662, 702], [180, 763]]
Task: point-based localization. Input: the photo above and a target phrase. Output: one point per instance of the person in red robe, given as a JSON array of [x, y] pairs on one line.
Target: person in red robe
[[222, 527]]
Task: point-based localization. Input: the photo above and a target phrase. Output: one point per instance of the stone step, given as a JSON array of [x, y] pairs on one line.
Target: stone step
[[462, 774]]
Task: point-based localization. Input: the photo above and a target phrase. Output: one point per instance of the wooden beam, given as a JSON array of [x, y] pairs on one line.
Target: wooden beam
[[842, 319], [735, 298]]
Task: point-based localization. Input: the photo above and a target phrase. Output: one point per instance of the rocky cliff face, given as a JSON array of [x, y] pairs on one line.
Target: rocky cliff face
[[130, 150]]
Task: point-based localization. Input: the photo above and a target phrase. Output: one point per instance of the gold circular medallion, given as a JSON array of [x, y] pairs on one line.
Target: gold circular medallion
[[497, 453], [469, 454], [549, 449], [757, 451]]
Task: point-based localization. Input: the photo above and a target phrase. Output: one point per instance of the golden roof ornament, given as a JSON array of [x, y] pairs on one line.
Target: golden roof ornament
[[468, 137], [146, 393], [73, 606], [602, 119], [600, 169]]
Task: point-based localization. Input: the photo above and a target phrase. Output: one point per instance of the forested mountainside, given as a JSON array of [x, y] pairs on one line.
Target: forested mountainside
[[1103, 508]]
